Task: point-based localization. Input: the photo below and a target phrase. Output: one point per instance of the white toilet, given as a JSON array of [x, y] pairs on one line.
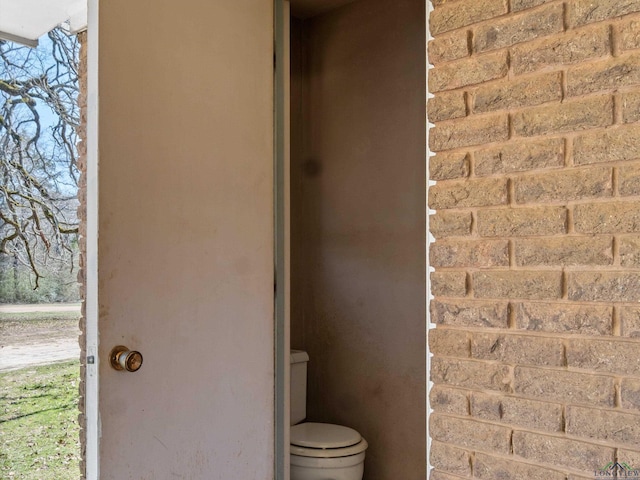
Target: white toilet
[[320, 451]]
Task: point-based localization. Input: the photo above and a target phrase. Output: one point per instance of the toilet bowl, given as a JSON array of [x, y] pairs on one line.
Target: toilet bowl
[[320, 451], [323, 451]]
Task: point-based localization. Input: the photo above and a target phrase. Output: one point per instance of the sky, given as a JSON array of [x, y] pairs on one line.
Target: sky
[[48, 117]]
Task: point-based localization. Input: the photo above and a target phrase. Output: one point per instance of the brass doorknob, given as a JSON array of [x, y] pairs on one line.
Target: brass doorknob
[[124, 359]]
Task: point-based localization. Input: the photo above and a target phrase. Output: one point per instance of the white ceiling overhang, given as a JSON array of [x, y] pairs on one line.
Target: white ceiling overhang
[[25, 21]]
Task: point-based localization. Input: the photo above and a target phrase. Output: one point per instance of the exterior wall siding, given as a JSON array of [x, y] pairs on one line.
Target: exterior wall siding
[[536, 349]]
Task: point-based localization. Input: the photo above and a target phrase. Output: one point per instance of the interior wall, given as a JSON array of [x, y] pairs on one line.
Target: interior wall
[[358, 225]]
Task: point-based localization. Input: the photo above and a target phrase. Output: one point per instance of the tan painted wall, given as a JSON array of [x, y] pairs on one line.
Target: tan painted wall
[[358, 215], [186, 238], [537, 351]]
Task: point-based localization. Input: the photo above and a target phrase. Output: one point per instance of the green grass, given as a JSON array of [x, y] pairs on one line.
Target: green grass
[[39, 432]]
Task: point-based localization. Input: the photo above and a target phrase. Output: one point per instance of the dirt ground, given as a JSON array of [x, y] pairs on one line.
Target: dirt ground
[[41, 307], [34, 337]]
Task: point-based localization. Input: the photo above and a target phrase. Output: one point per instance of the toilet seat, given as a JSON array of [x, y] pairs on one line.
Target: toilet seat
[[325, 440]]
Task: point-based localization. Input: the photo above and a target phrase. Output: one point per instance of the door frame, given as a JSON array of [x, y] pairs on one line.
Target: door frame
[[92, 364], [281, 231], [429, 238]]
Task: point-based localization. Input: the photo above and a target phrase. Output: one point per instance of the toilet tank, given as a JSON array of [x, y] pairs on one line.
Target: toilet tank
[[298, 387]]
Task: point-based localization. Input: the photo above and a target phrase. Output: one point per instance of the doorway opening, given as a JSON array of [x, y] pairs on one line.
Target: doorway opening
[[354, 206], [40, 244]]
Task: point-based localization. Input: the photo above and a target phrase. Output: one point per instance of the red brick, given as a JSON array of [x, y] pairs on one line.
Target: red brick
[[449, 47], [582, 12], [470, 313], [505, 222], [564, 386], [568, 116], [449, 400], [517, 349], [450, 459], [518, 28], [564, 251], [629, 34], [469, 131], [629, 180], [470, 374], [605, 286], [610, 356], [471, 434], [630, 321], [492, 468], [452, 343], [439, 475], [564, 185], [447, 166], [630, 106], [531, 285], [523, 92], [611, 145], [571, 47], [629, 250], [445, 223], [563, 318], [446, 106], [631, 457], [517, 5], [468, 71], [604, 425], [520, 156], [630, 394], [469, 253], [517, 411], [563, 452], [449, 284], [468, 193], [450, 16], [609, 217], [606, 75]]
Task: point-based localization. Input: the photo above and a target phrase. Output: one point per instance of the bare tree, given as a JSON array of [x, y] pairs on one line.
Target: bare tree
[[38, 157]]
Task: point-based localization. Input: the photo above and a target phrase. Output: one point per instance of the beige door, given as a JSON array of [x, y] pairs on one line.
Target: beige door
[[185, 249]]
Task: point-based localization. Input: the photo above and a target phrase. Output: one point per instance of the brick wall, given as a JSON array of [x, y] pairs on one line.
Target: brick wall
[[82, 216], [536, 365]]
